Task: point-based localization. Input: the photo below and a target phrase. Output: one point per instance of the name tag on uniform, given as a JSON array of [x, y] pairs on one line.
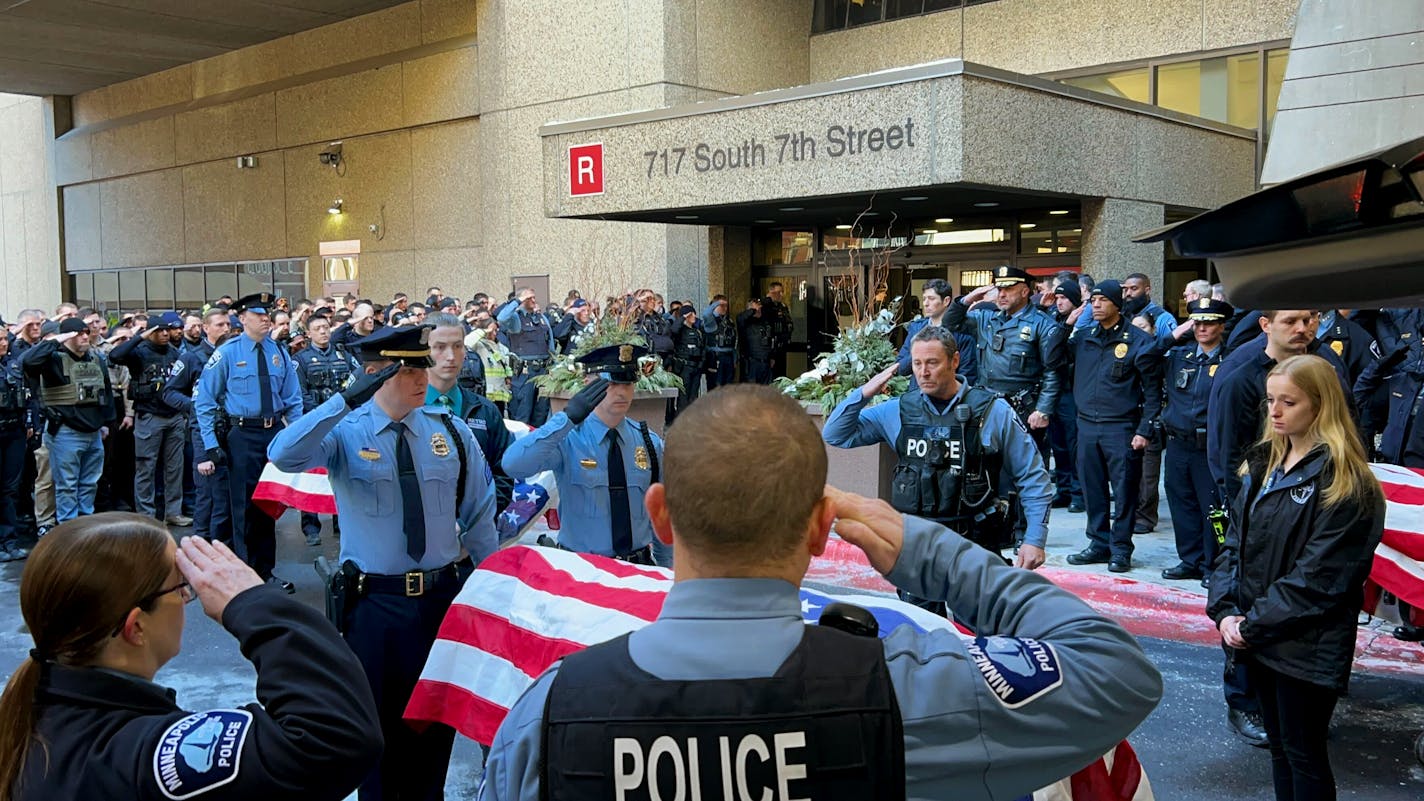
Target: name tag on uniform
[[369, 454], [587, 464], [242, 364]]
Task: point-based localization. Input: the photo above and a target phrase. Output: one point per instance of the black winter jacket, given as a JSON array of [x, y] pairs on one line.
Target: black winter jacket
[[1296, 570]]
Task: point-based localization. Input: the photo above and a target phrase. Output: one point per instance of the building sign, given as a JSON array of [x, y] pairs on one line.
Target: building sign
[[586, 169], [839, 141]]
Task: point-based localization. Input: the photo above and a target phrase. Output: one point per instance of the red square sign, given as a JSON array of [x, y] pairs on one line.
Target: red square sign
[[586, 169]]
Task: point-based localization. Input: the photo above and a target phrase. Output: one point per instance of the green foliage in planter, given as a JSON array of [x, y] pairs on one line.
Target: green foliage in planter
[[857, 354], [567, 375]]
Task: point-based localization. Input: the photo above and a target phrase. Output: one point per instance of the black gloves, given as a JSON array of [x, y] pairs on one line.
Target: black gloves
[[582, 405], [217, 457], [364, 388], [1395, 357]]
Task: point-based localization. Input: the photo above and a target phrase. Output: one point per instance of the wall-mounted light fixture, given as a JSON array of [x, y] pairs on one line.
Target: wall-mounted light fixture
[[335, 207]]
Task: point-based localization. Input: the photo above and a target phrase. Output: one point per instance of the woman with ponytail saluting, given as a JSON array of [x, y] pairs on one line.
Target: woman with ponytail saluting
[[1288, 584], [103, 597]]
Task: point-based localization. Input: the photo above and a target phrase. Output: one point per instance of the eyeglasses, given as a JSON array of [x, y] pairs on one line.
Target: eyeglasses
[[183, 588]]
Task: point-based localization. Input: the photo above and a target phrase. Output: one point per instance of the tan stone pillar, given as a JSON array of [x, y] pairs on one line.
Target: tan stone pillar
[[1109, 224]]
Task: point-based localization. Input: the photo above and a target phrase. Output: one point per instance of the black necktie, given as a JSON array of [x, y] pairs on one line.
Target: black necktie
[[264, 381], [618, 498], [412, 505]]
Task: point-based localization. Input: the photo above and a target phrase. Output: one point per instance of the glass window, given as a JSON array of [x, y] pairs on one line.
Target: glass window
[[864, 12], [895, 9], [970, 280], [1226, 89], [941, 5], [133, 290], [1130, 84], [160, 288], [221, 280], [783, 247], [1275, 74], [289, 278], [106, 291], [254, 277], [81, 289], [188, 288], [830, 15]]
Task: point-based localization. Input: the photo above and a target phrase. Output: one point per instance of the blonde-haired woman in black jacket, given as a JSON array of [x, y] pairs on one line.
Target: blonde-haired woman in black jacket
[[1288, 584]]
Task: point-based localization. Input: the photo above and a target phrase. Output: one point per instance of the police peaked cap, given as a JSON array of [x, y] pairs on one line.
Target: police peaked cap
[[259, 303], [1008, 276], [406, 344], [617, 363], [167, 319], [1209, 310]]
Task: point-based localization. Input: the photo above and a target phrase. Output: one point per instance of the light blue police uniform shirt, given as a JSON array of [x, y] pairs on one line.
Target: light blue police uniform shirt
[[358, 449], [853, 424], [961, 739], [230, 382], [578, 455]]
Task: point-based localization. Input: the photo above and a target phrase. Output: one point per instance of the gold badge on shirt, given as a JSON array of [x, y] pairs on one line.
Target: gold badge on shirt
[[1211, 371], [439, 445], [640, 457], [1338, 347], [1121, 350], [588, 464]]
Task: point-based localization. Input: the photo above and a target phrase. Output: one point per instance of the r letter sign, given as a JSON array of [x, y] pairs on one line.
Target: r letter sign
[[586, 169]]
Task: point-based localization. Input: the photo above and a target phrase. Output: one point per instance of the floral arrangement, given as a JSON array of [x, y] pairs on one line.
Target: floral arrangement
[[857, 354], [566, 375]]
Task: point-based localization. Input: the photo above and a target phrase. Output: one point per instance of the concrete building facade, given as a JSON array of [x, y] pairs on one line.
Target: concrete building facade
[[454, 118]]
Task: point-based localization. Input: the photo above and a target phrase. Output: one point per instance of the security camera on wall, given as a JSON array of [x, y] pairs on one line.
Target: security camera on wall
[[331, 155]]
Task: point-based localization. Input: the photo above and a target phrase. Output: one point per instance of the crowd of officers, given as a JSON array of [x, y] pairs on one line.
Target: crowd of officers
[[1121, 398]]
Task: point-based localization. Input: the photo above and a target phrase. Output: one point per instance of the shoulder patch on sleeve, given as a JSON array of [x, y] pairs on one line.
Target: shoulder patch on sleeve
[[200, 752], [214, 359], [1017, 670]]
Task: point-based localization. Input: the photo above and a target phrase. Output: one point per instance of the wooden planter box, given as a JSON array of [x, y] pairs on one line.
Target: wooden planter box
[[648, 407], [866, 470]]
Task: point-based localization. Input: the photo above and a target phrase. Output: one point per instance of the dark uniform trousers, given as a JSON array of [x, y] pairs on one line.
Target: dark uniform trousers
[[391, 635], [525, 404], [1106, 461], [722, 368], [254, 532], [1063, 441], [1190, 494], [12, 467], [1149, 497], [212, 502]]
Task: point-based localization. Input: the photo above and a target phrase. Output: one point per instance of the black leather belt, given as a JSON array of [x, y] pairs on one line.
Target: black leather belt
[[412, 584], [1196, 439], [255, 422], [641, 556]]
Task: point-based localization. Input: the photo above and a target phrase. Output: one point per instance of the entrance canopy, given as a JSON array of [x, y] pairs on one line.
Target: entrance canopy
[[947, 138]]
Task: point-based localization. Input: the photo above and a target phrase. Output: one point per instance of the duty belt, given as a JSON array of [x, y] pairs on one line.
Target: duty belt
[[411, 584], [640, 556], [1196, 439], [255, 422], [537, 364]]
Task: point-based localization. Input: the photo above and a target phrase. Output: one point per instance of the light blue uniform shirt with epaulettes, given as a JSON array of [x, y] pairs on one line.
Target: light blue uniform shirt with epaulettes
[[230, 382], [961, 739], [578, 456], [358, 449]]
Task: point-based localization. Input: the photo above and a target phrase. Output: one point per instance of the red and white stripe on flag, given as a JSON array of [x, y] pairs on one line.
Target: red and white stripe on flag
[[1399, 559], [525, 608]]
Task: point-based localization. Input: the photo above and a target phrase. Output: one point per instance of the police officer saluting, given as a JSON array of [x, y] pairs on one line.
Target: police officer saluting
[[417, 504], [603, 462], [1117, 382], [531, 338], [75, 396], [160, 428], [730, 689], [689, 355], [252, 382], [953, 442], [1191, 491], [323, 370]]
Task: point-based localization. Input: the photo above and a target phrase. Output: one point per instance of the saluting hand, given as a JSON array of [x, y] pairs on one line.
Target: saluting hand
[[364, 388], [871, 525], [580, 406], [215, 573], [880, 382]]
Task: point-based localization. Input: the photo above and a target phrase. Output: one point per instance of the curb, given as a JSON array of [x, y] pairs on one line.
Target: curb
[[1143, 608]]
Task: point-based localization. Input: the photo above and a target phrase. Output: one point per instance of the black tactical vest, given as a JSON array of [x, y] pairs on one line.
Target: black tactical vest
[[13, 395], [532, 341], [325, 372], [943, 473], [826, 726]]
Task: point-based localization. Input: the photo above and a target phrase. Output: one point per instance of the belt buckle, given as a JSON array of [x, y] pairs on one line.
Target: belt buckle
[[268, 421], [414, 584]]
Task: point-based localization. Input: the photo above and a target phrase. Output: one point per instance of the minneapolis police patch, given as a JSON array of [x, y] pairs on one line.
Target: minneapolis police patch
[[1017, 670], [200, 752]]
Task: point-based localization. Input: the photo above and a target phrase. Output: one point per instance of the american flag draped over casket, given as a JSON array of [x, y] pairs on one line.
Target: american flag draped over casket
[[1399, 559], [524, 608]]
